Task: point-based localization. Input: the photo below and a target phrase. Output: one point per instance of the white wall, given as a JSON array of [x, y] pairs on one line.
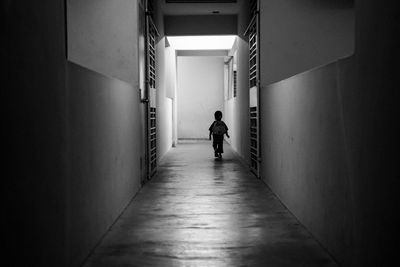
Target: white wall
[[237, 108], [166, 89], [200, 93]]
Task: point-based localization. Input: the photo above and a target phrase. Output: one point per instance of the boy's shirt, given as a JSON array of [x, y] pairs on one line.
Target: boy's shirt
[[218, 128]]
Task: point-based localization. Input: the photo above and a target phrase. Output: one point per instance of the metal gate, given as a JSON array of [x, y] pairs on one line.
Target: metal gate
[[252, 32]]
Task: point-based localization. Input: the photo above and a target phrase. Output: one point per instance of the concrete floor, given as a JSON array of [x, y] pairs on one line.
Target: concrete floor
[[200, 211]]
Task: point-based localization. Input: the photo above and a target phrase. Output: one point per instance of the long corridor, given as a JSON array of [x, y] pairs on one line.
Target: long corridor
[[201, 211]]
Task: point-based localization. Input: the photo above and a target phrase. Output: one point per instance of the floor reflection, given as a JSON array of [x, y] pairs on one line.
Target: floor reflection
[[199, 211]]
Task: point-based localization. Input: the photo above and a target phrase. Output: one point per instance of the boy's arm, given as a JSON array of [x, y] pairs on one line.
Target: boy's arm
[[210, 130], [226, 132]]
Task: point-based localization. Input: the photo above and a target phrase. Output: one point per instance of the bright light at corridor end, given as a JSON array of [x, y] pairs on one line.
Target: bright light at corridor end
[[214, 42]]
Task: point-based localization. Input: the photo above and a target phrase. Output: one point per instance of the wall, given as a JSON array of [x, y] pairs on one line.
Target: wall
[[304, 153], [299, 35], [105, 119], [34, 186], [237, 108], [166, 89], [201, 25], [74, 155], [303, 143], [200, 94], [172, 87], [104, 169], [101, 34], [166, 73], [373, 133], [330, 143]]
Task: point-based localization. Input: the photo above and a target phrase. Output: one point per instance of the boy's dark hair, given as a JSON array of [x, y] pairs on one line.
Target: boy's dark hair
[[218, 115]]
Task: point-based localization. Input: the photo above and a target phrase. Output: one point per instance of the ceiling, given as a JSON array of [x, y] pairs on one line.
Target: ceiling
[[193, 7]]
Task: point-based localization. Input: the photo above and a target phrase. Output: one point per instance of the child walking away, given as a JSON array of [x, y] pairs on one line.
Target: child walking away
[[218, 128]]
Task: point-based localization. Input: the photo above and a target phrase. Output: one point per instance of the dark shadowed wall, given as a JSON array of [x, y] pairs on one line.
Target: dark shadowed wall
[[34, 96], [373, 136], [76, 133]]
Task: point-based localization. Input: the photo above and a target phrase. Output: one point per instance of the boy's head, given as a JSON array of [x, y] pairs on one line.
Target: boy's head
[[218, 115]]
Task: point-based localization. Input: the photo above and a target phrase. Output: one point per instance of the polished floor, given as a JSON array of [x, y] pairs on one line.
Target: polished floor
[[201, 211]]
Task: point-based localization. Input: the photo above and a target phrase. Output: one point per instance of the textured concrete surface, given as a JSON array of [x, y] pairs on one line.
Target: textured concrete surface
[[200, 211]]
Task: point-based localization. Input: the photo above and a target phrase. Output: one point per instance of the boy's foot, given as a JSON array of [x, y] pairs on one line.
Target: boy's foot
[[220, 155], [216, 154]]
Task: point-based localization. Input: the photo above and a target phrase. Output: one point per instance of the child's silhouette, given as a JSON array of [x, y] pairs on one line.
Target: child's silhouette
[[218, 128]]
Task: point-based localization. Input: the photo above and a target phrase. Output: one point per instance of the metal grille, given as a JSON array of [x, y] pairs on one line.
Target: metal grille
[[253, 33], [151, 35], [254, 138], [253, 7], [253, 60], [151, 56], [152, 141], [234, 83]]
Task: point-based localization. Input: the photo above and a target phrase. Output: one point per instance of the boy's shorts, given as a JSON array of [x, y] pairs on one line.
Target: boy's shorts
[[218, 141]]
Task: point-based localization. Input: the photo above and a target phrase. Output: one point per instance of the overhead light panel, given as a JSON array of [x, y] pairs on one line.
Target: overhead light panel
[[199, 1], [214, 42]]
